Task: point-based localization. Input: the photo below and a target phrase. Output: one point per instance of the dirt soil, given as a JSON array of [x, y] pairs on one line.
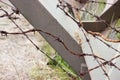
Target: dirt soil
[[19, 59]]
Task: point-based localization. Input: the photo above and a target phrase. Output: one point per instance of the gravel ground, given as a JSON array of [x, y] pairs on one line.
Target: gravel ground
[[19, 59]]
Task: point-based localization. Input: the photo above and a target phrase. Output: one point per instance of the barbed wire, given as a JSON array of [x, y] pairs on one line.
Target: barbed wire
[[13, 18], [94, 34], [103, 37], [102, 2], [101, 61]]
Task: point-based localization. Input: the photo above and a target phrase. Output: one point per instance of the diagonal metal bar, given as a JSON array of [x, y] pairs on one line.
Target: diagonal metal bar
[[43, 14], [50, 19], [111, 14]]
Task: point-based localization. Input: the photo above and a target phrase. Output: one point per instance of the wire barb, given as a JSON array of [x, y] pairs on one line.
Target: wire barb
[[100, 60]]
